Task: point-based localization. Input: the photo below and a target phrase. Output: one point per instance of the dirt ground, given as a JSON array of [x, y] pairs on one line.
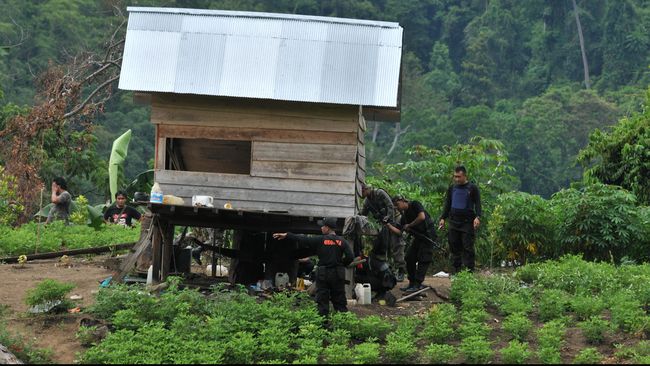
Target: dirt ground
[[56, 332]]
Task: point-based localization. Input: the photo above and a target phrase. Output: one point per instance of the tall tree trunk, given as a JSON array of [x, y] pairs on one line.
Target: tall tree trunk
[[582, 45], [398, 133], [375, 132]]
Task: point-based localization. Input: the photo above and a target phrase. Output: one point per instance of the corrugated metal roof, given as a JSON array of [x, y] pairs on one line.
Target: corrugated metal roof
[[262, 55]]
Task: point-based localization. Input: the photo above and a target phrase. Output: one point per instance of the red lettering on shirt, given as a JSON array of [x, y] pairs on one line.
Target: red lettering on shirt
[[332, 242]]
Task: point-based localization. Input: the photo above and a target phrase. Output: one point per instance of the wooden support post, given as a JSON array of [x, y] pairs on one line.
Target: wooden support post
[[156, 248], [214, 253], [167, 247]]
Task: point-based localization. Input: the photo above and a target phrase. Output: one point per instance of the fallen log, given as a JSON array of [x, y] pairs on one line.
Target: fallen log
[[8, 358], [72, 252]]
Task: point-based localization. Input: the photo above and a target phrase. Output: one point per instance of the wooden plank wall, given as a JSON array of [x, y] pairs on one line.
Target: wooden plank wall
[[360, 159], [303, 159]]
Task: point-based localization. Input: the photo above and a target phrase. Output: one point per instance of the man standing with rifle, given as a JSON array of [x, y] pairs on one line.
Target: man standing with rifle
[[379, 204], [417, 222], [463, 209]]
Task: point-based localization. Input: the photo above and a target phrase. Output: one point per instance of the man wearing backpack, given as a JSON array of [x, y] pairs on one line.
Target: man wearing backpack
[[462, 209]]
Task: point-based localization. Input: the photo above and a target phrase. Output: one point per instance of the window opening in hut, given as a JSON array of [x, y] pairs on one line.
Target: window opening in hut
[[210, 156]]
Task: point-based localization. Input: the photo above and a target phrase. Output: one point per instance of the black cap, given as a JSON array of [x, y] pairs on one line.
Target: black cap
[[328, 221], [398, 197]]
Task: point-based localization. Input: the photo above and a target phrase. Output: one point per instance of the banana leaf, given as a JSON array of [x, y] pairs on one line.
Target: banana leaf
[[118, 155]]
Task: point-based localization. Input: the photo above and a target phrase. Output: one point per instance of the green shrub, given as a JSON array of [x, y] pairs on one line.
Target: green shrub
[[474, 316], [518, 302], [469, 329], [586, 306], [461, 284], [339, 336], [588, 356], [440, 324], [361, 328], [517, 325], [440, 353], [338, 354], [552, 304], [400, 347], [49, 291], [522, 226], [638, 353], [600, 221], [366, 353], [549, 355], [551, 334], [627, 313], [476, 349], [515, 353], [594, 329]]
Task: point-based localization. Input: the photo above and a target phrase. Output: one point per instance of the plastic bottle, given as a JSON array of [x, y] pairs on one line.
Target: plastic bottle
[[156, 193], [367, 294], [150, 275]]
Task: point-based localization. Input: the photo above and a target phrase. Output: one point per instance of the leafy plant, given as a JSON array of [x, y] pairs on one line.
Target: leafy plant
[[549, 355], [518, 325], [518, 302], [440, 324], [366, 353], [594, 329], [600, 221], [515, 353], [469, 329], [588, 356], [49, 291], [627, 313], [440, 353], [586, 306], [522, 226], [476, 349], [552, 304], [551, 334], [338, 354], [400, 347]]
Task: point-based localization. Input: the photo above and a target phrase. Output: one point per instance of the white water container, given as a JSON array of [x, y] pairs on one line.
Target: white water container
[[150, 275], [281, 279], [222, 271], [367, 294], [362, 290]]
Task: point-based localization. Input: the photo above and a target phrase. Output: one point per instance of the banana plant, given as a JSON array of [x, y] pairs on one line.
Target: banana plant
[[118, 155]]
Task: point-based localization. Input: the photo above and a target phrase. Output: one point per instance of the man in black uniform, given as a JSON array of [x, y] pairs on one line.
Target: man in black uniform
[[416, 221], [334, 254], [463, 208], [379, 204]]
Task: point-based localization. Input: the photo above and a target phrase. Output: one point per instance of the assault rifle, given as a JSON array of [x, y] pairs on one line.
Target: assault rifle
[[411, 232]]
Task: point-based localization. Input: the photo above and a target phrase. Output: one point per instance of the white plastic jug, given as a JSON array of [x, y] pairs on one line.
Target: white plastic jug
[[359, 291], [156, 193], [150, 275], [222, 271], [281, 279], [367, 294]]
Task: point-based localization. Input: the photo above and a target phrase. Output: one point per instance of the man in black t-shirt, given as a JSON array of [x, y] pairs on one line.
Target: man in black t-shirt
[[334, 254], [416, 221], [119, 213]]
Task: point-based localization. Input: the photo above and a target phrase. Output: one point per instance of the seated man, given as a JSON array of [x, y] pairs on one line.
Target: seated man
[[119, 213]]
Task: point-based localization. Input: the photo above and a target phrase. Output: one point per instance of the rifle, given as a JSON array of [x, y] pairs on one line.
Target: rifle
[[386, 220]]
